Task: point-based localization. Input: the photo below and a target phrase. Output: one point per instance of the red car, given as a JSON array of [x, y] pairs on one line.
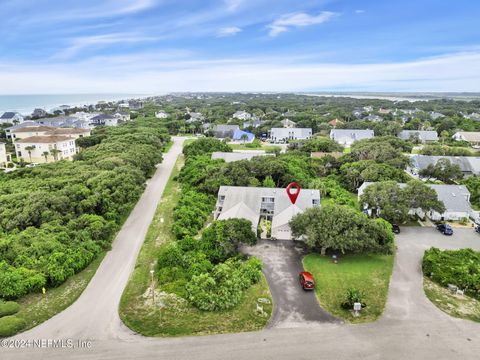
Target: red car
[[306, 280]]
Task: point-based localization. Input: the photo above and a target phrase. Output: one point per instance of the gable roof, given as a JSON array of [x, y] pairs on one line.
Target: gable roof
[[237, 156], [423, 135], [353, 134], [8, 115], [40, 128], [468, 164], [473, 136], [44, 139]]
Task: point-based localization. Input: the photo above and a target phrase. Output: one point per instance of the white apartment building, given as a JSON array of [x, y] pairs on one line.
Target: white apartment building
[[38, 149]]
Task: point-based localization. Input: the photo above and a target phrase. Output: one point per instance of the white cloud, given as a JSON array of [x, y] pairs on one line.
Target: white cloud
[[359, 11], [81, 43], [232, 5], [451, 72], [228, 31], [285, 22]]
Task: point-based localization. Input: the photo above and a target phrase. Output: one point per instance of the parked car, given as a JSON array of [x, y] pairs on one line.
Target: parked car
[[477, 228], [445, 229], [395, 229], [306, 280]]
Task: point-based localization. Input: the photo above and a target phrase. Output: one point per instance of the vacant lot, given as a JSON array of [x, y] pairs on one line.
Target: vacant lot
[[172, 315], [369, 273]]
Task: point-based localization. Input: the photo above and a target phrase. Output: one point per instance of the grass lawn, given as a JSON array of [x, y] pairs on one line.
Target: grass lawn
[[463, 307], [36, 308], [172, 315], [370, 273]]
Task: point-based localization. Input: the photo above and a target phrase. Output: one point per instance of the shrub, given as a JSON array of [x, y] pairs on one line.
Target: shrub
[[10, 325], [457, 267], [353, 296], [8, 308]]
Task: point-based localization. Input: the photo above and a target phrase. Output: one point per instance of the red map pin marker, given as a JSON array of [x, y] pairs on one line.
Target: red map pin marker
[[293, 195]]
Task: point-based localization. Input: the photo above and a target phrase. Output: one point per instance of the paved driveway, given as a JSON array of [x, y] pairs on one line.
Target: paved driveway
[[293, 307]]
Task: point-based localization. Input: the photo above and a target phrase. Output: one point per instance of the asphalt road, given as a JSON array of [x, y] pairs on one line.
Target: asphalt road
[[293, 307], [411, 327]]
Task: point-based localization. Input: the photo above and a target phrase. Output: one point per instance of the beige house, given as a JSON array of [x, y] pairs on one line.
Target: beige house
[[41, 149], [26, 132], [473, 137], [72, 132], [4, 157]]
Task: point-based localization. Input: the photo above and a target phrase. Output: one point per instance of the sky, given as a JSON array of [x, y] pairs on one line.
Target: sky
[[158, 46]]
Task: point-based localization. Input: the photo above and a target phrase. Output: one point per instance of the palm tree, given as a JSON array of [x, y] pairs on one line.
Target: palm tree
[[29, 150], [46, 153], [55, 153], [244, 137]]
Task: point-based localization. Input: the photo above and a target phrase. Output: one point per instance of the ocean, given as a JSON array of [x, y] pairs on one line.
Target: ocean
[[25, 104]]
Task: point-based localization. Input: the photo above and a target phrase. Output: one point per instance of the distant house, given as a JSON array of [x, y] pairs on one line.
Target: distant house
[[335, 122], [358, 113], [237, 156], [456, 199], [289, 124], [59, 121], [45, 144], [242, 115], [473, 137], [223, 131], [469, 165], [243, 136], [435, 115], [254, 122], [347, 137], [39, 113], [256, 203], [135, 104], [161, 115], [194, 117], [122, 116], [104, 120], [473, 116], [29, 131], [282, 135], [8, 131], [373, 118], [384, 111], [11, 117], [368, 109], [4, 156], [421, 136]]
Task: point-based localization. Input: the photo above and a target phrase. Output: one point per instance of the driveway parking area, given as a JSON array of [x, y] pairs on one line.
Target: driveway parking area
[[293, 306]]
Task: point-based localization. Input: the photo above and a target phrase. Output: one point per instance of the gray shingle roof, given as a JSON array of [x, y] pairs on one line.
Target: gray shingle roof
[[468, 164], [422, 135], [237, 156]]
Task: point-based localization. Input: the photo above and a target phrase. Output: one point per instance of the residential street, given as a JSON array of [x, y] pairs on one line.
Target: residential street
[[411, 326]]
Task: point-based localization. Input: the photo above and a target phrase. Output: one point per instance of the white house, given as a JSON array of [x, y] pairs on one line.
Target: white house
[[242, 115], [11, 117], [256, 203], [473, 137], [287, 123], [469, 165], [122, 116], [424, 136], [281, 135], [347, 137], [4, 157], [161, 115], [104, 120], [38, 149], [456, 199], [8, 131]]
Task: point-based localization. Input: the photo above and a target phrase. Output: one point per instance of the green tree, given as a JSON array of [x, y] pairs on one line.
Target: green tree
[[420, 196], [55, 153], [29, 150], [268, 182], [443, 170], [341, 228], [45, 154]]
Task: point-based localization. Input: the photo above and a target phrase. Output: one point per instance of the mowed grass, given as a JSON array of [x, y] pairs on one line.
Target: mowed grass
[[369, 273], [463, 307], [177, 317]]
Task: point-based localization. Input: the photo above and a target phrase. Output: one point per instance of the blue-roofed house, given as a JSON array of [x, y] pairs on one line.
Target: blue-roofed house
[[244, 136]]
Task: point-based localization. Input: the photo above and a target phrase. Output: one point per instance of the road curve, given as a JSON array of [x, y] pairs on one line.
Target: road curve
[[95, 314]]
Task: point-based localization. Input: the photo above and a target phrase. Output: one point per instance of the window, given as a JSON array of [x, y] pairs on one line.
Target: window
[[268, 199], [315, 202]]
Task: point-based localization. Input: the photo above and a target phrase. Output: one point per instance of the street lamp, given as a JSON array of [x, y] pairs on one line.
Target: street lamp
[[153, 289]]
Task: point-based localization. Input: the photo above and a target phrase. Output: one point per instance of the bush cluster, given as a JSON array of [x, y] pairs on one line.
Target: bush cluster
[[56, 218], [457, 267]]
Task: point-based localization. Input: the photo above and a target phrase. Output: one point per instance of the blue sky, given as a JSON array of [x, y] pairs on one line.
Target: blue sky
[[155, 46]]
